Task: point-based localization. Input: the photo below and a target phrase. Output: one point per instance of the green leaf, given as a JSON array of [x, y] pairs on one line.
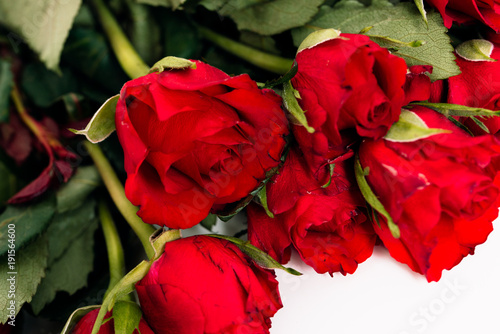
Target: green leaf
[[172, 63], [6, 84], [8, 184], [264, 43], [449, 109], [261, 258], [45, 87], [69, 226], [421, 9], [28, 270], [87, 52], [181, 38], [372, 199], [127, 316], [68, 272], [476, 50], [165, 3], [42, 24], [480, 124], [400, 22], [332, 169], [262, 196], [102, 123], [283, 79], [318, 37], [76, 316], [231, 211], [410, 127], [290, 96], [72, 194], [209, 222], [267, 17], [29, 220]]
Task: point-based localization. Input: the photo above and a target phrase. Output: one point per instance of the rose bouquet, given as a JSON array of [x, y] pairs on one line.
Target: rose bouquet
[[370, 125]]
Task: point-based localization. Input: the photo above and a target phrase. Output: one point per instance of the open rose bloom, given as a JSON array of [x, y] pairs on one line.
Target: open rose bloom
[[196, 140], [441, 192], [485, 11]]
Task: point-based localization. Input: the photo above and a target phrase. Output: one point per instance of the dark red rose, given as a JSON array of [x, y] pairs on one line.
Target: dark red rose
[[439, 191], [207, 285], [85, 325], [196, 140], [485, 11], [345, 83], [323, 224], [477, 86]]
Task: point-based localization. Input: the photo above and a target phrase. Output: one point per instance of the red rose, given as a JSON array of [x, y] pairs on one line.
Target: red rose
[[439, 191], [85, 325], [344, 83], [477, 86], [207, 285], [195, 140], [485, 11], [323, 223]]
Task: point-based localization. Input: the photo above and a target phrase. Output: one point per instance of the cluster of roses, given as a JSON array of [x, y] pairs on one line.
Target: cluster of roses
[[197, 140]]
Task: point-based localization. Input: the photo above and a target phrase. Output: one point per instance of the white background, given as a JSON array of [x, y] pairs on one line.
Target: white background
[[385, 297]]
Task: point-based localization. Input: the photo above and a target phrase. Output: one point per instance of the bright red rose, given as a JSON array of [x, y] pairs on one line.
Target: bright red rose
[[439, 191], [477, 86], [196, 140], [323, 224], [485, 11], [207, 285], [85, 325], [345, 83]]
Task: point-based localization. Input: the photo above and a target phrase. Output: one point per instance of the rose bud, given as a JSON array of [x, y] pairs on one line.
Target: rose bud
[[477, 86], [439, 191], [461, 11], [203, 284], [195, 140], [345, 82], [323, 223], [85, 325]]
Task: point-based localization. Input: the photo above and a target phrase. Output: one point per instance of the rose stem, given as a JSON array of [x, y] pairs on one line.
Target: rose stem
[[117, 193], [33, 125], [127, 56], [113, 246], [266, 61]]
